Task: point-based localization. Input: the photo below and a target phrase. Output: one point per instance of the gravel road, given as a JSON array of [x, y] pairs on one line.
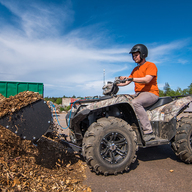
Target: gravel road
[[157, 169]]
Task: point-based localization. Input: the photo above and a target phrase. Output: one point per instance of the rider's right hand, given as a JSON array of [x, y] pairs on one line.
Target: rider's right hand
[[122, 77]]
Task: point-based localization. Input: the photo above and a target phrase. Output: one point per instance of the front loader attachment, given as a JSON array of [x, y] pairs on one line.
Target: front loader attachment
[[26, 115]]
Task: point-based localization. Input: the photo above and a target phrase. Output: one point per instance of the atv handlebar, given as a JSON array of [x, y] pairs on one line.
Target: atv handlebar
[[111, 88], [118, 80]]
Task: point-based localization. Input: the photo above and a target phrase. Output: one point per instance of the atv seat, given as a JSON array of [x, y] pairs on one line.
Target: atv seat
[[161, 101]]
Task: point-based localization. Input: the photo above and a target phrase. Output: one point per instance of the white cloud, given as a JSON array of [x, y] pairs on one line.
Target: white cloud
[[164, 52], [40, 19], [183, 61]]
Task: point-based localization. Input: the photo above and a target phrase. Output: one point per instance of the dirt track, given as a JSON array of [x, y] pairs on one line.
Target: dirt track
[[156, 169]]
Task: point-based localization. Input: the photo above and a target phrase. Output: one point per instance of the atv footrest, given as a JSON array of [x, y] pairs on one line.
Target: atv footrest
[[157, 141]]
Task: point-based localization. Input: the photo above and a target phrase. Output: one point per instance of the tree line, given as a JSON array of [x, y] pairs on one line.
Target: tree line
[[167, 91]]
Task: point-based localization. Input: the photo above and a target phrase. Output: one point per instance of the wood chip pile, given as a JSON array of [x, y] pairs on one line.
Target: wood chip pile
[[15, 103], [47, 166]]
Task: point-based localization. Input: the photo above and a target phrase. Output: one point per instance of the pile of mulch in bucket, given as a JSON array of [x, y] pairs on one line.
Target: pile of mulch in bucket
[[15, 103], [1, 97], [44, 166]]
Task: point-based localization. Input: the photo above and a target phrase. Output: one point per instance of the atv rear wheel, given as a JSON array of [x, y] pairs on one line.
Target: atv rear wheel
[[109, 146], [182, 144]]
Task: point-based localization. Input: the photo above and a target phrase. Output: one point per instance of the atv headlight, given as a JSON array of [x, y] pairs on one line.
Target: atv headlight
[[107, 88], [110, 88]]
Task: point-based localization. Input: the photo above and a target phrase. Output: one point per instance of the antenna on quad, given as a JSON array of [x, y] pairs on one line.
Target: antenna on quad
[[103, 76]]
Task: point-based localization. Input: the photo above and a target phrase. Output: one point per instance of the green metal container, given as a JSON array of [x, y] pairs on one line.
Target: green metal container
[[9, 88]]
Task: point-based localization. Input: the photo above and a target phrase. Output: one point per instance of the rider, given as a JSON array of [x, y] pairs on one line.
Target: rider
[[144, 75]]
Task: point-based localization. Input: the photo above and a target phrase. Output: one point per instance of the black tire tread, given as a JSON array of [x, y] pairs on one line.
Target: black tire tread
[[180, 144], [88, 141]]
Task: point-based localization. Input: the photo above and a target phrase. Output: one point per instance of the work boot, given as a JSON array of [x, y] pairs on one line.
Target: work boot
[[148, 137]]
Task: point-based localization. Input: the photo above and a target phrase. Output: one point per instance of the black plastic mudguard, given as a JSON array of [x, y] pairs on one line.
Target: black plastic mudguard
[[30, 122]]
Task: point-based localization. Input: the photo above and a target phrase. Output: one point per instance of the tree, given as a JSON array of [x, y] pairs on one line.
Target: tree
[[161, 93], [167, 89], [190, 89], [179, 91], [59, 101], [170, 92]]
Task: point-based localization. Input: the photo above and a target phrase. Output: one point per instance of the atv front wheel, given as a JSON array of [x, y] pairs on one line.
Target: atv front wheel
[[109, 146], [182, 144]]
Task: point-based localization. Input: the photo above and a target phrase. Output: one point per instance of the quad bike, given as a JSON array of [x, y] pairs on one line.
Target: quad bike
[[109, 131]]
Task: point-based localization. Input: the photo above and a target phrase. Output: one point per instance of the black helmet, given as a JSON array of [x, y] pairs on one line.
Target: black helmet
[[142, 49]]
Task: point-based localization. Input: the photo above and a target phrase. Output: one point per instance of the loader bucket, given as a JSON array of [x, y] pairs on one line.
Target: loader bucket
[[30, 122]]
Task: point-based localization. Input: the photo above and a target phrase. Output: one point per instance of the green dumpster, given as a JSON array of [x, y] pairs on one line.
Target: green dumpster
[[10, 88]]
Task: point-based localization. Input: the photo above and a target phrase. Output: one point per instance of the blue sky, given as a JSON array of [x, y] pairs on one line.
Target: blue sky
[[67, 44]]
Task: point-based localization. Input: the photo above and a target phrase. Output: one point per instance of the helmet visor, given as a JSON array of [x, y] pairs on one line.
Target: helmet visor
[[134, 50]]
